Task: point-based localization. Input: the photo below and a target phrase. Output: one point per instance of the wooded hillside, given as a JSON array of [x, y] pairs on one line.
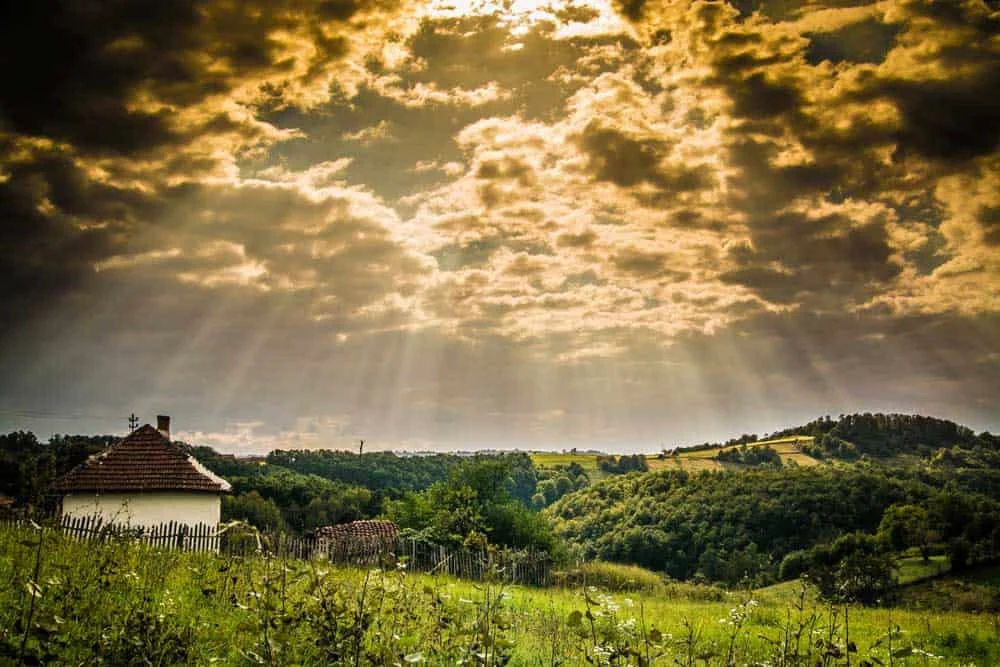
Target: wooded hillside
[[725, 526]]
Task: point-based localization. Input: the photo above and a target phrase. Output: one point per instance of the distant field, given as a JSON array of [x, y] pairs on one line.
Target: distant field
[[553, 459], [976, 591], [915, 569], [690, 461], [787, 448]]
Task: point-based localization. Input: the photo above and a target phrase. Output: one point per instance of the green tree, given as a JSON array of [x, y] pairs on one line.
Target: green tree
[[794, 565], [563, 485], [549, 490], [855, 567], [475, 502], [959, 554], [905, 526], [254, 509]]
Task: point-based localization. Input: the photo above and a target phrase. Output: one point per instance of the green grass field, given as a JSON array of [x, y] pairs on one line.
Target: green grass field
[[976, 591], [914, 568], [123, 603], [551, 460]]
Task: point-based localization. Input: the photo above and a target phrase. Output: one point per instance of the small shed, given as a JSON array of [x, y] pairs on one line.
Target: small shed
[[144, 480], [357, 541]]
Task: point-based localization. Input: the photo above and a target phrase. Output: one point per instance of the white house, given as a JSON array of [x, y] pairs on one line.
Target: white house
[[144, 480]]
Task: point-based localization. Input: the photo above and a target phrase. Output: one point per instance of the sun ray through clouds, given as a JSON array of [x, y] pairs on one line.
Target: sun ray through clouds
[[502, 222]]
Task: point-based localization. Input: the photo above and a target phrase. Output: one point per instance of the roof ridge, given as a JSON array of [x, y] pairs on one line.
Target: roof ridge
[[144, 460]]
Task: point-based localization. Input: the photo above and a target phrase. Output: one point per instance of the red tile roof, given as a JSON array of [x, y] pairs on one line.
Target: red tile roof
[[366, 530], [144, 460]]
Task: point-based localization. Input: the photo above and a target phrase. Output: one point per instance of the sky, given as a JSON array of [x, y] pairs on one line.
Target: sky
[[458, 224]]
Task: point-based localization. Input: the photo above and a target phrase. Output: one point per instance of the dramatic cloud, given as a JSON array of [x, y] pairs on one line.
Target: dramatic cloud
[[436, 224]]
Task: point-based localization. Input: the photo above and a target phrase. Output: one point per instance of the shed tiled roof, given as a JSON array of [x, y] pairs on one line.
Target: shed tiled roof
[[145, 460], [366, 530]]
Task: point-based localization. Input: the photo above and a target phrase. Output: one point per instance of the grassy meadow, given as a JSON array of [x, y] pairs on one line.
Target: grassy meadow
[[124, 603], [550, 460]]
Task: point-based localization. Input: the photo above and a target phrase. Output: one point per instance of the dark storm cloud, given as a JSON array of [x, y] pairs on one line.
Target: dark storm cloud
[[864, 42], [621, 159], [757, 98], [792, 160], [954, 119], [646, 264], [44, 249], [77, 72], [989, 219], [584, 239], [110, 76], [820, 257], [629, 161], [632, 9], [690, 218], [105, 106], [507, 168], [767, 185], [781, 287]]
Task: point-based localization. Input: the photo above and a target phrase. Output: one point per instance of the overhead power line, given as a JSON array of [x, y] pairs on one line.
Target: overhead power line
[[43, 414]]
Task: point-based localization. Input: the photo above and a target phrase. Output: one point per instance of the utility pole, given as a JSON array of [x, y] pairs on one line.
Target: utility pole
[[361, 448], [133, 422]]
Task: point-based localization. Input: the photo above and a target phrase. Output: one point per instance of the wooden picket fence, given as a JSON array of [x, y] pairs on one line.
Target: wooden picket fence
[[519, 567], [169, 535]]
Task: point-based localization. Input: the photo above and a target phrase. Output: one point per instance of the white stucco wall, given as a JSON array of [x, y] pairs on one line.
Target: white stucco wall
[[146, 509]]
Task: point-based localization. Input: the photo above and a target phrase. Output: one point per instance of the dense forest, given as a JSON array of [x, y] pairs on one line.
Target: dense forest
[[476, 500], [883, 435], [891, 483], [28, 467], [725, 526]]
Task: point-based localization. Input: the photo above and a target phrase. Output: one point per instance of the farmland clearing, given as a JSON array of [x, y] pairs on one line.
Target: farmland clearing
[[788, 448]]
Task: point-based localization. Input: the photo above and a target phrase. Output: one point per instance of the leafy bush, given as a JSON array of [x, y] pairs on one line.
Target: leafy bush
[[762, 455], [854, 567], [475, 499], [794, 565], [618, 465], [612, 577]]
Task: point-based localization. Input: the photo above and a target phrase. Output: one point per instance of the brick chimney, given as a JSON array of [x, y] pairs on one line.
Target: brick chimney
[[163, 425]]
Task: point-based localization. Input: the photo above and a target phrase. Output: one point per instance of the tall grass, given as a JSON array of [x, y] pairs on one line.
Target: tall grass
[[620, 578], [123, 603]]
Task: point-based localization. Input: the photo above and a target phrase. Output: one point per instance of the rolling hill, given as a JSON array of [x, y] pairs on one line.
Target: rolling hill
[[693, 515]]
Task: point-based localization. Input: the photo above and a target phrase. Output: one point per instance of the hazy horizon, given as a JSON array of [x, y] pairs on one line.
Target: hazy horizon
[[240, 441]]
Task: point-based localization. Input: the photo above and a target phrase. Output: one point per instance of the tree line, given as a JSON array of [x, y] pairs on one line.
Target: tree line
[[481, 501], [838, 522]]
